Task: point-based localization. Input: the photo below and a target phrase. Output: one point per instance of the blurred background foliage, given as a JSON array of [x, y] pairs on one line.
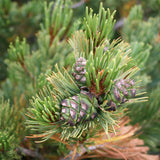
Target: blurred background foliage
[[138, 22]]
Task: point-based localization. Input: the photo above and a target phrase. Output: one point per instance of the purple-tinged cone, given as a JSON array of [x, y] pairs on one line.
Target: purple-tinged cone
[[79, 70], [122, 91], [78, 108]]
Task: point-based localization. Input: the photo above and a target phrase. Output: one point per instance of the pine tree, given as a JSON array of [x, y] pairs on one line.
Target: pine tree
[[76, 83], [69, 108]]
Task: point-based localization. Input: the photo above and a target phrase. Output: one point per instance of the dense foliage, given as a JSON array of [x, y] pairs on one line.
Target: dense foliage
[[69, 72]]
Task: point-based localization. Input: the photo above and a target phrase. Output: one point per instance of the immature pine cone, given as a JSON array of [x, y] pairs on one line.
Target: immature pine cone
[[79, 70], [122, 91], [78, 108]]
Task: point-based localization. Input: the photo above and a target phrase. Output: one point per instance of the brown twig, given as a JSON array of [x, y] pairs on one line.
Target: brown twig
[[77, 155], [26, 70], [76, 5], [30, 153], [119, 24]]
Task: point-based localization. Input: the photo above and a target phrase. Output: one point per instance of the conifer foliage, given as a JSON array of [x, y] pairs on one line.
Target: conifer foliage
[[76, 83], [70, 106], [11, 131], [146, 34]]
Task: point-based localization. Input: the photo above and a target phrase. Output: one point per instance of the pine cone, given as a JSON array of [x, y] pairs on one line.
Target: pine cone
[[78, 108], [122, 91], [79, 70]]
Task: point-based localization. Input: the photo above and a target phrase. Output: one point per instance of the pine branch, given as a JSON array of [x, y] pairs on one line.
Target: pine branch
[[78, 4], [119, 24], [124, 145], [74, 6], [18, 52], [73, 108], [11, 130], [29, 153], [83, 150], [26, 70]]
